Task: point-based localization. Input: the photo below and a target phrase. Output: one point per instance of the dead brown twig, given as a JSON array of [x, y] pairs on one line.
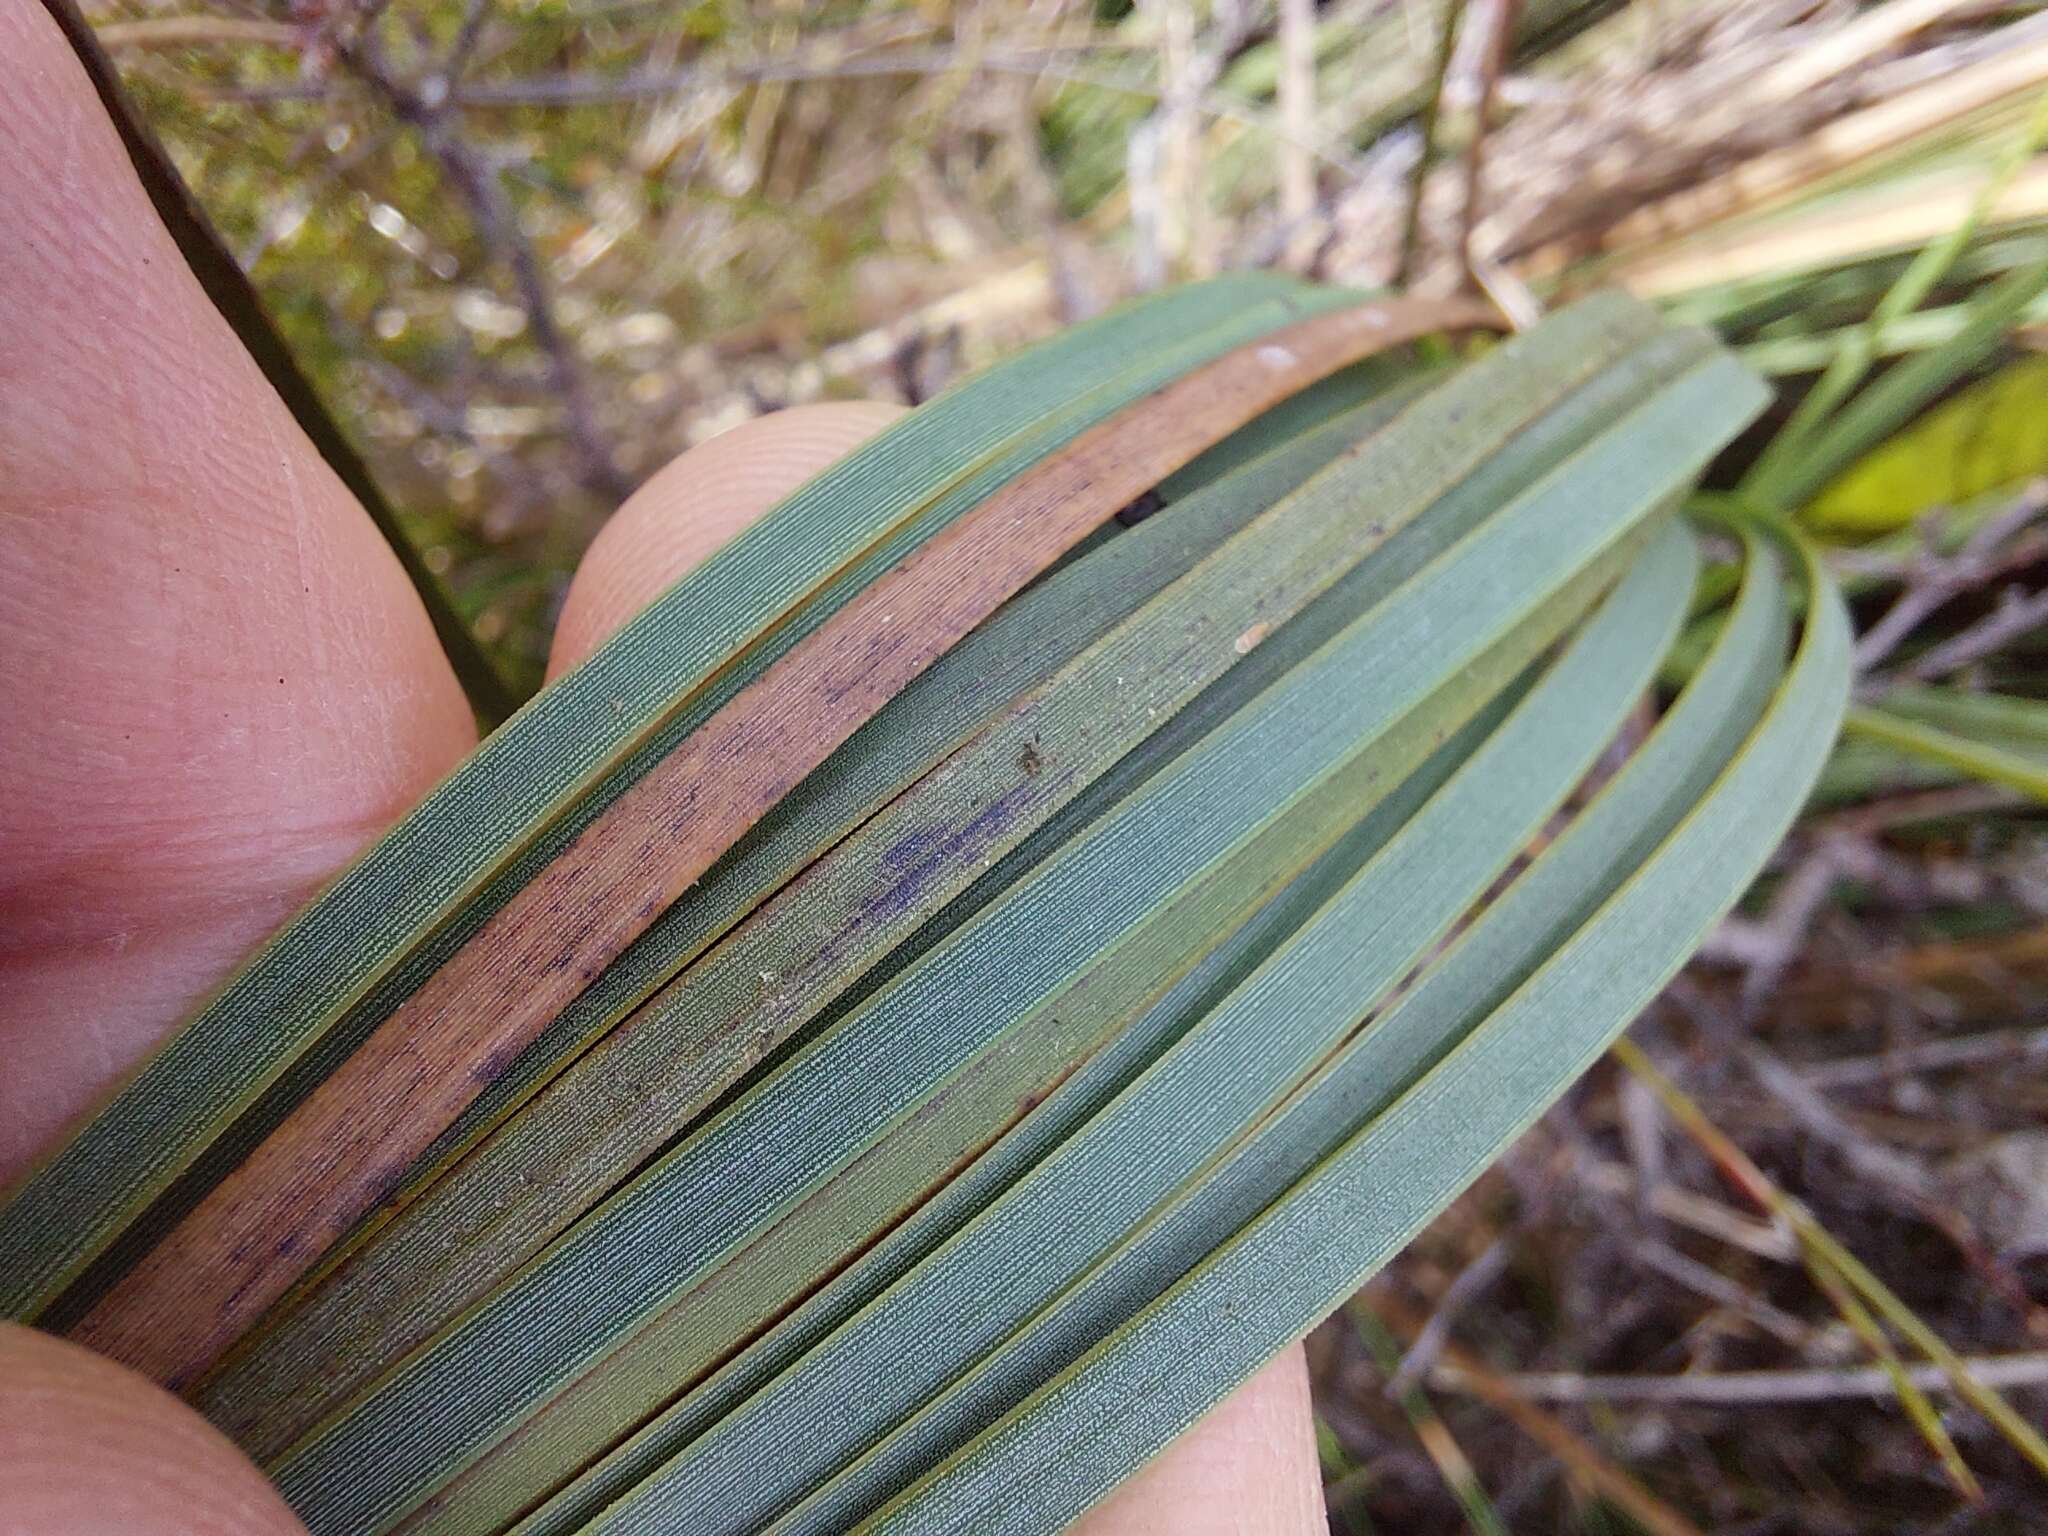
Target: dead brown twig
[[1587, 1466], [1849, 1284]]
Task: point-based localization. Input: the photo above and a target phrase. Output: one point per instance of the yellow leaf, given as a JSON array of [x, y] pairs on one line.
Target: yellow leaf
[[1992, 435]]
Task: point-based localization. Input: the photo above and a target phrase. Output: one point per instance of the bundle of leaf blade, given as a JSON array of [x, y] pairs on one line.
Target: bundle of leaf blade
[[961, 981]]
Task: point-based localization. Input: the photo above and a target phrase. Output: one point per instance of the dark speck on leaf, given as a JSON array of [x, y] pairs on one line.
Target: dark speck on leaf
[[1141, 509]]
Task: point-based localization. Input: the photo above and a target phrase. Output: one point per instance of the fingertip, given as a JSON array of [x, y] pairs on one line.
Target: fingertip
[[1248, 1469], [89, 1447], [699, 501]]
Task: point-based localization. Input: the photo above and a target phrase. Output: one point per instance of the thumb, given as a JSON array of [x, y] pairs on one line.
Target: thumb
[[698, 502], [89, 1448], [1248, 1469]]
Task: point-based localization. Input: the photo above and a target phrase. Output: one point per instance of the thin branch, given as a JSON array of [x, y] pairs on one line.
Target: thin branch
[[1297, 107], [1642, 1136], [1661, 1258], [1783, 927], [1879, 1164], [1895, 1174], [1460, 1477], [1979, 1050], [813, 63], [1739, 1387], [1472, 1282], [1924, 805], [1190, 62], [496, 221], [1846, 1279], [2016, 619], [1586, 1465], [1431, 116], [1828, 1264], [1493, 59], [1697, 1213], [1051, 61], [523, 485], [463, 49], [1933, 581], [198, 32]]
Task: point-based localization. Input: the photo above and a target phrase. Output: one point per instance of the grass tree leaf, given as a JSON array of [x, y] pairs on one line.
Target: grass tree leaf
[[229, 1076], [937, 1000], [1318, 1238]]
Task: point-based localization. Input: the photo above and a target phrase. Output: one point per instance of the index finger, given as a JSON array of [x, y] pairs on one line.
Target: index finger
[[219, 684]]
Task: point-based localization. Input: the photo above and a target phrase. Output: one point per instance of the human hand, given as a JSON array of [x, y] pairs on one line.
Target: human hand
[[218, 687]]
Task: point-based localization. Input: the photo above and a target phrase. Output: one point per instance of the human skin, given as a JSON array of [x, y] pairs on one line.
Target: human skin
[[218, 686]]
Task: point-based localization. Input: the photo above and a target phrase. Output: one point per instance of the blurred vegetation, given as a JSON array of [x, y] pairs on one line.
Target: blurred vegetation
[[1765, 1272]]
